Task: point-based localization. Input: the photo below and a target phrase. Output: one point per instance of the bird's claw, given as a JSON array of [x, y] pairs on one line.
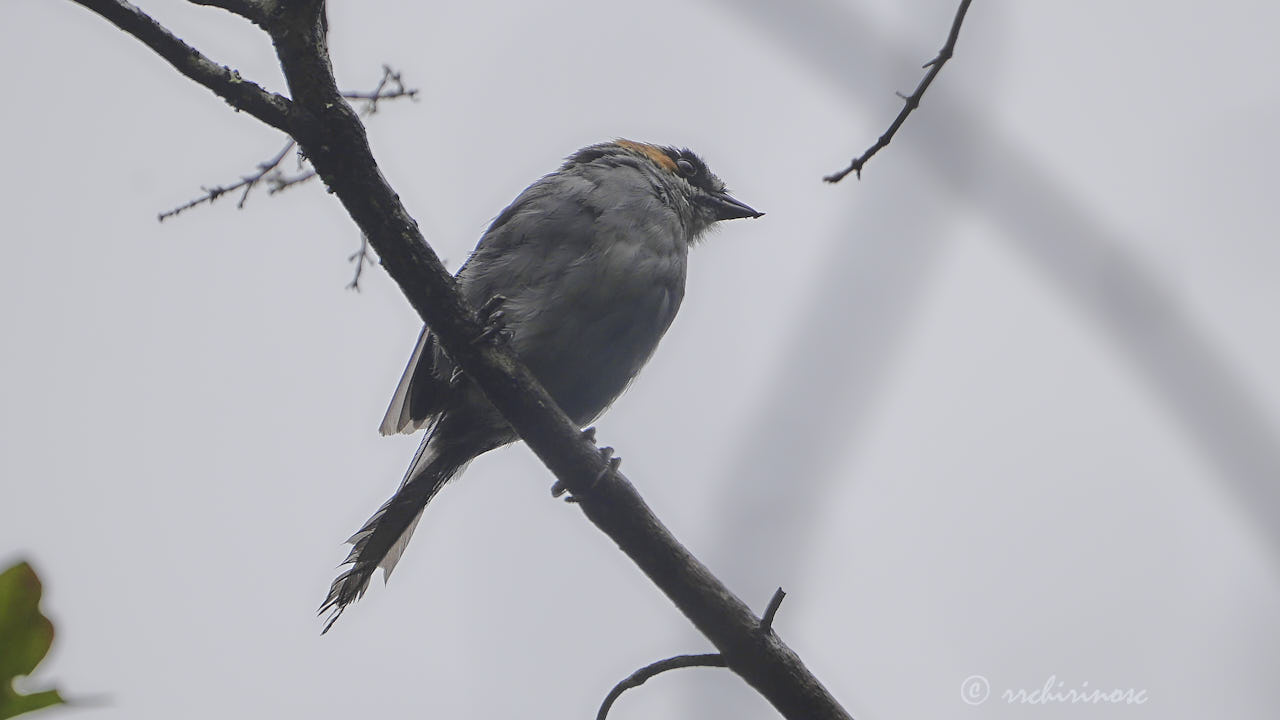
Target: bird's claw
[[492, 305], [611, 465], [494, 320], [589, 433], [613, 462]]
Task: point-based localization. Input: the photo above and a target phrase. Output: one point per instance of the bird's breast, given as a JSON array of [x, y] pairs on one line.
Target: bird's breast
[[587, 332]]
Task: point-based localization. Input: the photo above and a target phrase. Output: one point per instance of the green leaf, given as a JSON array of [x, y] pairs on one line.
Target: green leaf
[[25, 637], [18, 704]]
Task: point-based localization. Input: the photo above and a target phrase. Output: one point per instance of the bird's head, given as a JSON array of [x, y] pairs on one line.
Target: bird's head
[[707, 199]]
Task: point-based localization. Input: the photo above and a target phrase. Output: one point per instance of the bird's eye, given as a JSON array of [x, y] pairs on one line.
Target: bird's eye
[[686, 168]]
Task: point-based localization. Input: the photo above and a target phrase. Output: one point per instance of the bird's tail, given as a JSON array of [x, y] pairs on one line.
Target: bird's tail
[[382, 540]]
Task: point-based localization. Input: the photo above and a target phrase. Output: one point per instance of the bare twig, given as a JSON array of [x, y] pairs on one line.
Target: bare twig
[[910, 102], [766, 621], [360, 258], [639, 677], [245, 185], [278, 182], [390, 87]]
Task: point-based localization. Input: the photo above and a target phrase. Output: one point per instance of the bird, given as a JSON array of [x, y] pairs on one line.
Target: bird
[[582, 274]]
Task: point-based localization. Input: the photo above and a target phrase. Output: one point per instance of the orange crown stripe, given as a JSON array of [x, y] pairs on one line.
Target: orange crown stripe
[[657, 156]]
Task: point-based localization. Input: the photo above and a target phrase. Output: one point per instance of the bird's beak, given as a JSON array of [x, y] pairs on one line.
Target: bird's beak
[[728, 207]]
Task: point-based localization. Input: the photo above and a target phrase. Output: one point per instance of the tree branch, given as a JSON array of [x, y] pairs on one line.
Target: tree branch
[[254, 11], [639, 677], [360, 258], [910, 102], [246, 184], [226, 83], [771, 611], [331, 135], [390, 87]]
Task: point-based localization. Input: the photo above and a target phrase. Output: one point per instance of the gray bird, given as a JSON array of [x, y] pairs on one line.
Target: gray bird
[[584, 272]]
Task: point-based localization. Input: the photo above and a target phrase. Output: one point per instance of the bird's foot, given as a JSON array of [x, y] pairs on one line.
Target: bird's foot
[[611, 465], [494, 320]]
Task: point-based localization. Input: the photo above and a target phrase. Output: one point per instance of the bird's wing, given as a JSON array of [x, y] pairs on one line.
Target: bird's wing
[[420, 394], [492, 269]]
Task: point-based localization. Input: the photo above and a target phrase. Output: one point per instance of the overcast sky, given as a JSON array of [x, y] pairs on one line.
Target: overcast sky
[[1006, 407]]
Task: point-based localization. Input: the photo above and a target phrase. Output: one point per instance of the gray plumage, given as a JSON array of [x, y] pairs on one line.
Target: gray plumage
[[590, 261]]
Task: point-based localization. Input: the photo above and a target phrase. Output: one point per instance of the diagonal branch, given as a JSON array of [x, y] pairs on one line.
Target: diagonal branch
[[336, 142], [330, 134], [909, 102], [226, 83]]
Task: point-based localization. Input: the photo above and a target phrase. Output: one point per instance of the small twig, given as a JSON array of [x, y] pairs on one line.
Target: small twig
[[246, 184], [910, 102], [713, 660], [278, 182], [638, 678], [766, 622], [389, 87], [383, 92], [360, 258]]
